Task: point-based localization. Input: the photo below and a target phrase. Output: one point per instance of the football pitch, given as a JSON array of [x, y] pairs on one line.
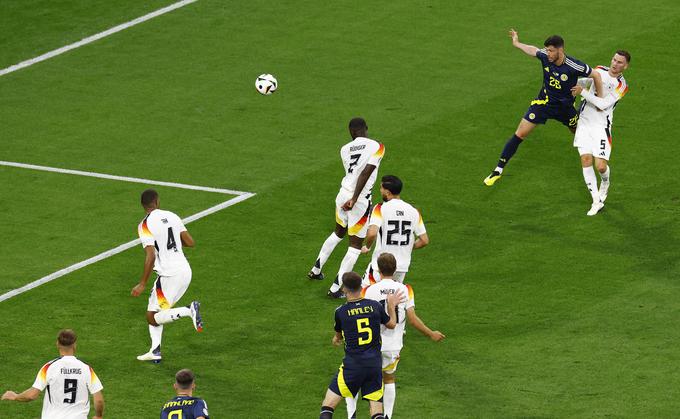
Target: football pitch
[[547, 312]]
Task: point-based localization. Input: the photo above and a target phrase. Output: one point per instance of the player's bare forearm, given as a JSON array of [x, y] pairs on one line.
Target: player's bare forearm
[[392, 301], [527, 49], [98, 398], [187, 240], [27, 395], [361, 181], [337, 339], [371, 235], [422, 241], [148, 267], [415, 321]]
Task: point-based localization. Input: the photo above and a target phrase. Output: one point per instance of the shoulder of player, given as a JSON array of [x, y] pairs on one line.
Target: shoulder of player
[[574, 63], [48, 364]]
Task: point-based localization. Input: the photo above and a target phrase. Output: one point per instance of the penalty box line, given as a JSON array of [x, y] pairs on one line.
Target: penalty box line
[[240, 197], [95, 37]]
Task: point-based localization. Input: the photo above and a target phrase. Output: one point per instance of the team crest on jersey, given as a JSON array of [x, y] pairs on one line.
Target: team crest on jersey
[[564, 77], [532, 115]]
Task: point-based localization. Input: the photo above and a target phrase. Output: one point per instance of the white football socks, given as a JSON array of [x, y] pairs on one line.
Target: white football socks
[[499, 169], [326, 250], [351, 406], [591, 182], [171, 315], [389, 397], [346, 265], [605, 176], [156, 333]]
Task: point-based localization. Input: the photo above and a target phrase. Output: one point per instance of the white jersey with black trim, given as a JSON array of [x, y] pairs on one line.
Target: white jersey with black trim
[[67, 383], [599, 111], [392, 339], [355, 156], [162, 229], [399, 223]]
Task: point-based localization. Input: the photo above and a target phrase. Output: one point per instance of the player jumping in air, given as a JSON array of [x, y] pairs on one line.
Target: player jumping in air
[[357, 322], [395, 227], [393, 339], [163, 234], [69, 383], [360, 158], [554, 101], [593, 135]]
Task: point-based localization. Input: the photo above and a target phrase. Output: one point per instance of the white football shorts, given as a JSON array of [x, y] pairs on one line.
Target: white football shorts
[[390, 359], [167, 290], [356, 219], [594, 140]]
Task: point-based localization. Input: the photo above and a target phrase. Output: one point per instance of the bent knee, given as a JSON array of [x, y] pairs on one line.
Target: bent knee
[[151, 318]]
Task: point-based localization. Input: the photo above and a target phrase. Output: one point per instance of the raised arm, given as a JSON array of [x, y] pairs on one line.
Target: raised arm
[[98, 398], [527, 49]]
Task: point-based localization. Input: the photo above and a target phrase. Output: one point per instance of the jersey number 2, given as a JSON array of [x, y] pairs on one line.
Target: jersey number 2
[[403, 228], [362, 327], [171, 240], [70, 386]]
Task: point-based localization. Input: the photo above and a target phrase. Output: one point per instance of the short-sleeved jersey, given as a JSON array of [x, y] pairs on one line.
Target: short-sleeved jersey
[[162, 229], [399, 223], [559, 79], [392, 339], [615, 88], [355, 156], [185, 407], [67, 383], [360, 321]]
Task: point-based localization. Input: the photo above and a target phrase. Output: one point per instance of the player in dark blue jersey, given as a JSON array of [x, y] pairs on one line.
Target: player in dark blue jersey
[[554, 101], [358, 323], [185, 406]]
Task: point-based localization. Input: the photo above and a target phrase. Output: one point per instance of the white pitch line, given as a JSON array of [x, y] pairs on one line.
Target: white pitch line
[[95, 37], [121, 178], [241, 196]]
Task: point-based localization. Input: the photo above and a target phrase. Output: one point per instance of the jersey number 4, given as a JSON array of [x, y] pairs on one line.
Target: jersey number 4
[[398, 227], [172, 244]]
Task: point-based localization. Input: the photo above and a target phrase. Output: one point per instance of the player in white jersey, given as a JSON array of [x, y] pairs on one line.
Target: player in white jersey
[[360, 159], [395, 227], [593, 135], [69, 383], [393, 339], [163, 234]]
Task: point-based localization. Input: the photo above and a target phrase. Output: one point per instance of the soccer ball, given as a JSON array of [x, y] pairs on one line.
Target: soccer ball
[[266, 84]]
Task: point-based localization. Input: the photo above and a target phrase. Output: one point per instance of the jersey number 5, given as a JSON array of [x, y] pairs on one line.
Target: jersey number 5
[[354, 159], [70, 386], [362, 327], [403, 228]]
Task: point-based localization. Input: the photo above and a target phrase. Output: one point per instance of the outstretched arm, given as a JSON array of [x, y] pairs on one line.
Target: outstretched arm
[[26, 396], [598, 102], [527, 49], [415, 321]]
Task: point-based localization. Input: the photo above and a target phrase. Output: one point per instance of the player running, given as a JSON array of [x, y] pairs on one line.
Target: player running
[[360, 158], [393, 226], [185, 405], [593, 135], [358, 323], [163, 234], [393, 339], [69, 383], [554, 101]]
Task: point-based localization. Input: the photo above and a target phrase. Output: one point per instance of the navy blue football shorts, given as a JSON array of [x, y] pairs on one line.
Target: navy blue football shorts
[[349, 380]]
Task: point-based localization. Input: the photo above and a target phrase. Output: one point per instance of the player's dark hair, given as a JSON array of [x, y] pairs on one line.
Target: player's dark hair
[[555, 41], [351, 281], [624, 53], [387, 264], [66, 338], [149, 196], [392, 184], [357, 123], [184, 378]]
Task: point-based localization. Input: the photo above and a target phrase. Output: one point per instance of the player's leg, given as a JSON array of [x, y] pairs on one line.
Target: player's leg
[[329, 404], [390, 360], [155, 330], [591, 181], [603, 167], [523, 130], [376, 409], [345, 384], [327, 248], [372, 390], [171, 290], [351, 403], [356, 229]]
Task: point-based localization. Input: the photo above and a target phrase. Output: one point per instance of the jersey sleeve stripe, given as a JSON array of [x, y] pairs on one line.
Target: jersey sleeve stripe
[[144, 230], [574, 65], [410, 292], [381, 151]]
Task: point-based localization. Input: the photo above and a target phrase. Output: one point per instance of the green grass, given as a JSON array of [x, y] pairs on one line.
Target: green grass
[[548, 313]]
